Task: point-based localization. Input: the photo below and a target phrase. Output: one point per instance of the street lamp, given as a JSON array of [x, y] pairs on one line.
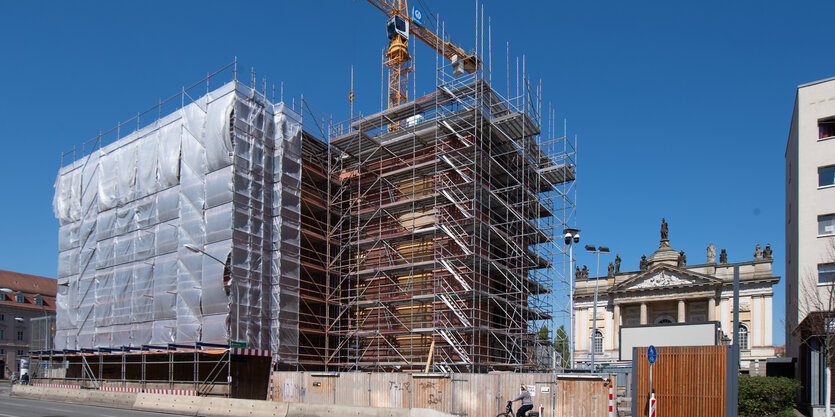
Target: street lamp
[[571, 237], [195, 249], [598, 251]]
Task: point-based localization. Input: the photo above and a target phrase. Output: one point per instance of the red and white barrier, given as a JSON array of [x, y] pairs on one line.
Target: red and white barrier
[[251, 352], [652, 405], [611, 401], [57, 386], [120, 389], [171, 392], [126, 389]]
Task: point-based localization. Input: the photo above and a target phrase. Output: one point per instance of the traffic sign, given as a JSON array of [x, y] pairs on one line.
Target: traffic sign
[[651, 354]]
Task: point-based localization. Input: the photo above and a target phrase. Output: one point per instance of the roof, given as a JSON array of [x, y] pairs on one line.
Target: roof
[[697, 279], [816, 82], [30, 286]]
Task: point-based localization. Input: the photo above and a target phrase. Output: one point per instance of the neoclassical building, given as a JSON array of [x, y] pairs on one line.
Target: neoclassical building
[[666, 291]]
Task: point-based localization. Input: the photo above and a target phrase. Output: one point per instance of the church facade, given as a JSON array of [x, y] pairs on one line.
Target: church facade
[[667, 291]]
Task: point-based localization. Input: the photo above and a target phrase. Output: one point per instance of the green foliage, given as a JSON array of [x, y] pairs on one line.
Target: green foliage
[[766, 396], [561, 345], [543, 333]]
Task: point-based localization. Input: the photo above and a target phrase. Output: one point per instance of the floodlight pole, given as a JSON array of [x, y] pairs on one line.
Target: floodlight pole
[[598, 250], [571, 237]]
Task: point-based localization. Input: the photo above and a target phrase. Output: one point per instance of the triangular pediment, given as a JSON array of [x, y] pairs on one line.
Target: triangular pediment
[[665, 276]]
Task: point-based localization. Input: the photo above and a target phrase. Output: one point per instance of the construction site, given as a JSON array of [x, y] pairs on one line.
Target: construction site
[[223, 237]]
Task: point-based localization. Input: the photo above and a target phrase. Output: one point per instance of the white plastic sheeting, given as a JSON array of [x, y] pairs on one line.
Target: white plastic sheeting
[[222, 174]]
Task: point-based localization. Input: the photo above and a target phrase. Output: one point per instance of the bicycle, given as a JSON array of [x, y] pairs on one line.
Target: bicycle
[[508, 411]]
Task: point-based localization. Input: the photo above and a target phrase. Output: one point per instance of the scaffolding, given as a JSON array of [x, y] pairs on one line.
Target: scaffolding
[[442, 241], [201, 369], [429, 237]]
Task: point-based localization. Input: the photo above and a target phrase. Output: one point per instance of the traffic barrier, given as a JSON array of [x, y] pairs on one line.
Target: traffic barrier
[[75, 395], [164, 403], [208, 406], [219, 407]]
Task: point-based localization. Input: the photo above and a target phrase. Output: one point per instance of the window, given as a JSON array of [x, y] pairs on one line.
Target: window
[[20, 335], [743, 336], [597, 342], [826, 176], [38, 300], [826, 128], [2, 334], [2, 317], [19, 298], [826, 225], [2, 351], [826, 273], [19, 353]]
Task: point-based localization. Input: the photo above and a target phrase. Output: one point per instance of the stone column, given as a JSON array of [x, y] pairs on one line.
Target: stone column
[[643, 314], [616, 328], [681, 315], [711, 309]]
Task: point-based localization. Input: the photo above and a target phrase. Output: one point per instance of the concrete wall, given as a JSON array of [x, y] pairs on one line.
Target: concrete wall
[[209, 406]]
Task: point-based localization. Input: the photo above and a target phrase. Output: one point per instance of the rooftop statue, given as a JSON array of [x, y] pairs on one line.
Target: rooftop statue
[[767, 252]]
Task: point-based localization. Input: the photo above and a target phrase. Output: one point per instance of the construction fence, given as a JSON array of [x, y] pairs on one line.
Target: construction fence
[[474, 395], [687, 381]]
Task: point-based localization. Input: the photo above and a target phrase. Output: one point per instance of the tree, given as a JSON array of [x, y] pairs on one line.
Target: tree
[[543, 333], [817, 330], [562, 348]]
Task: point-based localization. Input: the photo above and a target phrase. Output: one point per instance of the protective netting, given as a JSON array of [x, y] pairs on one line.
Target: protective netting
[[222, 176]]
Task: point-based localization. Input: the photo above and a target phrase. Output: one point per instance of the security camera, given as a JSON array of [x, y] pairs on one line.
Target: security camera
[[567, 238], [577, 238]]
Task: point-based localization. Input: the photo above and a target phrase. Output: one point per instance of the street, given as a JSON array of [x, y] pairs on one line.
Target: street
[[23, 407]]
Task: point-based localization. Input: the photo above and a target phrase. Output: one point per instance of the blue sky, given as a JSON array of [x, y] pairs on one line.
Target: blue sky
[[682, 110]]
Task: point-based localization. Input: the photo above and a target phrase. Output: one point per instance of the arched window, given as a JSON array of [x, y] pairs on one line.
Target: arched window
[[743, 336], [597, 341], [665, 319]]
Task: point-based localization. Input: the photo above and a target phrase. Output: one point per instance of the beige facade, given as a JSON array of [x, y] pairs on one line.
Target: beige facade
[[667, 292], [810, 206]]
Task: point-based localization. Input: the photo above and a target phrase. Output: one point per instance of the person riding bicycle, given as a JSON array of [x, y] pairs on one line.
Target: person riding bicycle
[[527, 403]]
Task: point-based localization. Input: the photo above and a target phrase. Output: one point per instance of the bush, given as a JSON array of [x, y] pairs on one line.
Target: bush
[[766, 396]]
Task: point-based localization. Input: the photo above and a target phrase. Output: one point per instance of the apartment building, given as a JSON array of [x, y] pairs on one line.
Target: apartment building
[[810, 231]]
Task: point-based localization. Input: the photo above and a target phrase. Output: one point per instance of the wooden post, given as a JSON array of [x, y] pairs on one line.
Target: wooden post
[[431, 353]]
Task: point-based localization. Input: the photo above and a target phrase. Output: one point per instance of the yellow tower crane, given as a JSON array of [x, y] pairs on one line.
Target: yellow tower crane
[[399, 26]]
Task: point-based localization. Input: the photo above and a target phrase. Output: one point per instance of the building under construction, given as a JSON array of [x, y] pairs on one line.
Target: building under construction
[[430, 236], [443, 212]]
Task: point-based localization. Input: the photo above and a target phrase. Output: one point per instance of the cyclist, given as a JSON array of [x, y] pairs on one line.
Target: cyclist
[[527, 403]]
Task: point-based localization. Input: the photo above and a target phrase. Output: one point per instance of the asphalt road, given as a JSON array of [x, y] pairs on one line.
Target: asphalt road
[[23, 407]]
